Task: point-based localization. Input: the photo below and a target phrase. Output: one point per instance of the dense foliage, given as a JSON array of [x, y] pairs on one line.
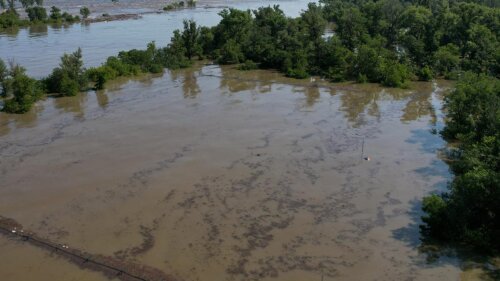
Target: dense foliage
[[470, 212], [386, 41]]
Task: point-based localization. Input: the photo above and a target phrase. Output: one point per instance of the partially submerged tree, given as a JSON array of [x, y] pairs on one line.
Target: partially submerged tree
[[20, 91], [69, 78]]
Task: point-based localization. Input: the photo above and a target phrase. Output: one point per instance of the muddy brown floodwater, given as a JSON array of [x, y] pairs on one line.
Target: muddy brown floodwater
[[211, 173]]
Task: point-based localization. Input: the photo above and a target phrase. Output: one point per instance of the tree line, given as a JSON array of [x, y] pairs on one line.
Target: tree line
[[37, 14], [468, 214]]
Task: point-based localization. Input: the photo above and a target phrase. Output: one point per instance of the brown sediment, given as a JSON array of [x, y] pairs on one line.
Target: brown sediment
[[109, 266]]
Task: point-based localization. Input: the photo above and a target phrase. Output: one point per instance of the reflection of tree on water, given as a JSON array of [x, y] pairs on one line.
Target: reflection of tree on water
[[26, 120], [237, 80], [72, 104], [11, 31], [38, 30], [418, 106], [354, 104], [265, 86], [190, 86], [312, 95], [60, 25], [102, 99], [4, 126]]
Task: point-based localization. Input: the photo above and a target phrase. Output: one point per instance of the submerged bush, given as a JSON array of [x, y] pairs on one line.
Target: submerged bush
[[248, 65]]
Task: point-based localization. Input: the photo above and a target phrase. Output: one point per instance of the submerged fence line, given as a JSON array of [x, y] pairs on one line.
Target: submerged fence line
[[11, 228]]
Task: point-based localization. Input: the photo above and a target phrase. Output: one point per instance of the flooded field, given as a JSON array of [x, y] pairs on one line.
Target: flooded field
[[211, 173], [39, 48]]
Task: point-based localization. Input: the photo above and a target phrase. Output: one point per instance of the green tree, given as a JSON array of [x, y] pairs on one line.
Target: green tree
[[416, 24], [206, 40], [447, 59], [55, 14], [190, 37], [336, 60], [235, 25], [480, 50], [36, 13], [69, 78], [351, 27], [85, 12], [174, 55], [314, 27], [267, 39], [314, 22]]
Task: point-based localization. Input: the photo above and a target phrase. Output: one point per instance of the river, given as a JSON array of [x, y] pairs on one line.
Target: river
[[210, 173]]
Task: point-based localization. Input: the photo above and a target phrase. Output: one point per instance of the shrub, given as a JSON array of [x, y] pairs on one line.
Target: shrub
[[248, 65], [156, 68], [393, 74], [361, 78], [69, 87], [425, 73], [10, 19], [169, 7], [69, 18], [101, 75]]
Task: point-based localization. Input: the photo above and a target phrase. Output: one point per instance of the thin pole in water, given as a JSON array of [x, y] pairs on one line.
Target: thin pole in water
[[363, 148]]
